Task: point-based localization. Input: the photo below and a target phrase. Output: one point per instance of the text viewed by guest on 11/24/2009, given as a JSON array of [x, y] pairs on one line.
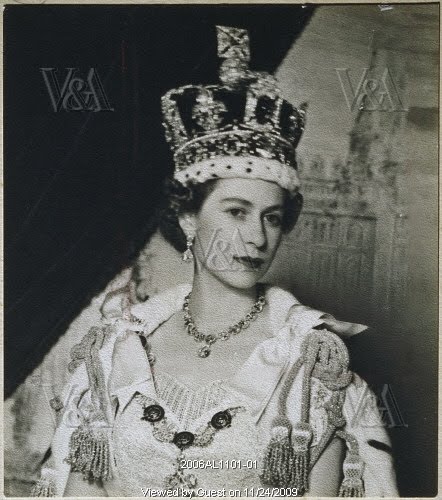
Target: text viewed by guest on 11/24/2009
[[258, 492]]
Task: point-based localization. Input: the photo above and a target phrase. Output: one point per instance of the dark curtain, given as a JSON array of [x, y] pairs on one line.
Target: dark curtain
[[81, 186]]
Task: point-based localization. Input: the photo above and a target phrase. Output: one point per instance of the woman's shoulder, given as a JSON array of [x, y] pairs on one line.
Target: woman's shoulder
[[287, 310], [316, 340], [150, 313], [112, 346]]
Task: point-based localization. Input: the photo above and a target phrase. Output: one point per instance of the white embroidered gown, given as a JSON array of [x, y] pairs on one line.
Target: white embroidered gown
[[233, 460]]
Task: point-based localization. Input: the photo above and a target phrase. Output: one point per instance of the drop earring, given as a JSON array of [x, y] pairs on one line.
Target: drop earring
[[188, 254]]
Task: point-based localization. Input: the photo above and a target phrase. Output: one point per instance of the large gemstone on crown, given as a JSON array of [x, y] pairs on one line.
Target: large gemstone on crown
[[208, 112]]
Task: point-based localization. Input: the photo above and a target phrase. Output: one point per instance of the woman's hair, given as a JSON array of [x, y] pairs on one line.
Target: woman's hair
[[181, 199]]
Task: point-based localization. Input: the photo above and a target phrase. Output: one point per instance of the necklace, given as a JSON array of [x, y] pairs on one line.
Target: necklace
[[210, 339]]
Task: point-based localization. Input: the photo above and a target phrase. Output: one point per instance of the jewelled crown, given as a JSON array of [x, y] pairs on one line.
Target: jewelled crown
[[239, 128]]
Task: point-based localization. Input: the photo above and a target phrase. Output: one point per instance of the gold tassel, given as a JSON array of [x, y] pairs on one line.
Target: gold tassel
[[89, 453], [352, 485], [301, 437], [44, 487], [351, 490], [286, 465], [278, 458]]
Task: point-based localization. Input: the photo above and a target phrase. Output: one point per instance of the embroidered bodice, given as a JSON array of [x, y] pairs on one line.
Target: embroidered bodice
[[234, 458], [145, 462], [295, 386], [188, 404]]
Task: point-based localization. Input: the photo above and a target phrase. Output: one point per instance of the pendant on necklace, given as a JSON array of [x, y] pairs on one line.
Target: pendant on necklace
[[204, 351]]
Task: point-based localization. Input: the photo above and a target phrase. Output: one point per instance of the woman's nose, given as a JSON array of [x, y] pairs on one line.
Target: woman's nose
[[254, 233]]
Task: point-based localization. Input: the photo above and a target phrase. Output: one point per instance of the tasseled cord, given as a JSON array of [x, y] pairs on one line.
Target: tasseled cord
[[278, 468], [286, 460], [301, 437], [89, 453], [352, 484], [45, 486]]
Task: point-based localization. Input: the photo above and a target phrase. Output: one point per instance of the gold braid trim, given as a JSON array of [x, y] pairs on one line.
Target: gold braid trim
[[87, 351], [335, 421], [89, 447]]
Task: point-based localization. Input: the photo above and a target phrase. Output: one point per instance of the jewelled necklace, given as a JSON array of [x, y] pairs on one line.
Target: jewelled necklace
[[167, 432], [210, 339]]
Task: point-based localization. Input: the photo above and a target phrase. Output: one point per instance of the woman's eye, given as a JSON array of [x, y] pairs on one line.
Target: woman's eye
[[238, 213], [274, 219]]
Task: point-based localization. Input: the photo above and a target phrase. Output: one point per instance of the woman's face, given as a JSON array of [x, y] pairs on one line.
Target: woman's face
[[238, 230]]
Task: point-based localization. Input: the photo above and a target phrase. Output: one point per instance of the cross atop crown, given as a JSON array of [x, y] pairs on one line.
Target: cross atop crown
[[233, 43], [234, 49]]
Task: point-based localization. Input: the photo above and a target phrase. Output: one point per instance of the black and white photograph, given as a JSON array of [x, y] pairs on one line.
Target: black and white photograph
[[221, 249]]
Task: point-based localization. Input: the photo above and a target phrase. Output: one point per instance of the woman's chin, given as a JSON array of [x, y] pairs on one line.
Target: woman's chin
[[239, 279]]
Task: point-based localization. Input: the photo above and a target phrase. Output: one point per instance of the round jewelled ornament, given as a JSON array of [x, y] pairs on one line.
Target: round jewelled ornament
[[153, 413], [221, 420], [183, 439]]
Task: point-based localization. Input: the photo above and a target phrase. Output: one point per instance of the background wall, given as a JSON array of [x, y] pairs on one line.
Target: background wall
[[365, 247]]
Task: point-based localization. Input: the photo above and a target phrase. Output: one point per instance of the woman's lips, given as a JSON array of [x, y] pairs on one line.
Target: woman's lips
[[250, 262]]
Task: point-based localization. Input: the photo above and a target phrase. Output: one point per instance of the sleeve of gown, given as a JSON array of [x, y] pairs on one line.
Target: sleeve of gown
[[30, 413], [33, 412], [341, 403], [81, 441]]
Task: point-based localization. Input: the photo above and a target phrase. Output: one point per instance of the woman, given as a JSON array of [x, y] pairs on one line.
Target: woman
[[223, 385]]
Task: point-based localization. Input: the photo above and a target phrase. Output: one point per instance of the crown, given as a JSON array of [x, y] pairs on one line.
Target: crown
[[241, 127]]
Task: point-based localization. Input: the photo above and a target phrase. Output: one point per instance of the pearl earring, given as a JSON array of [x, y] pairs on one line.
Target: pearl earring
[[188, 255]]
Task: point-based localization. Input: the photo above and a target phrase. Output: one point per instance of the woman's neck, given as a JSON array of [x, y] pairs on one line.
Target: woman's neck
[[215, 305]]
